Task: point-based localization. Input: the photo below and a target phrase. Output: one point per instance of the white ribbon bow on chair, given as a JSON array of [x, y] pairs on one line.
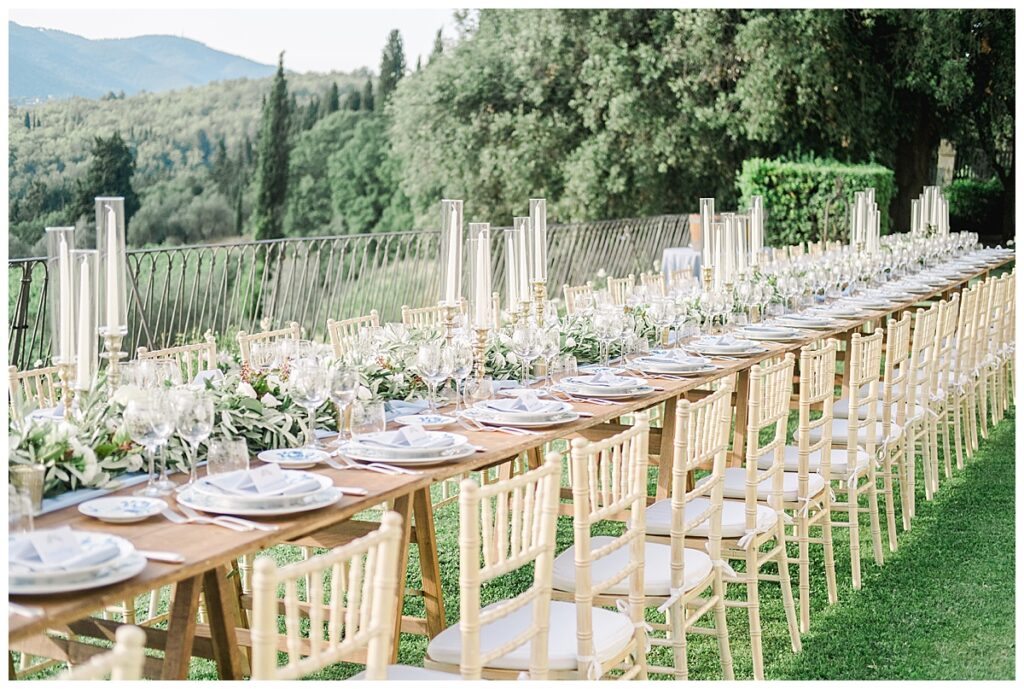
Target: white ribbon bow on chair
[[593, 667], [623, 608]]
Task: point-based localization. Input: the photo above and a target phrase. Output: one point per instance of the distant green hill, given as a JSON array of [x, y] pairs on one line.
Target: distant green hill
[[47, 64]]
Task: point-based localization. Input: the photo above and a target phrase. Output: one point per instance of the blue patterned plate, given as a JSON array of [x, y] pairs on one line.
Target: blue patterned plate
[[122, 509]]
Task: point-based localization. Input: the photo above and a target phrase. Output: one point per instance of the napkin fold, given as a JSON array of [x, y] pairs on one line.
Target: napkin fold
[[23, 556], [409, 436], [607, 379], [676, 357], [266, 480], [211, 374], [528, 403], [395, 408]]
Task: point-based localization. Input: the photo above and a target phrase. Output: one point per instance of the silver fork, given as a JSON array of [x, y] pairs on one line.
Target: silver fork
[[173, 516], [192, 514], [347, 463], [504, 429], [587, 400]]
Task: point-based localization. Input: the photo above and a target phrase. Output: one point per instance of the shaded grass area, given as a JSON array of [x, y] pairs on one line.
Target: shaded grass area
[[942, 607]]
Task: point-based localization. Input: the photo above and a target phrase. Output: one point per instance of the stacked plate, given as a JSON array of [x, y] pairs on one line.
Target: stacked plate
[[266, 491], [725, 345], [523, 411], [409, 446], [294, 457], [674, 361], [605, 385], [62, 560], [771, 333], [808, 321]]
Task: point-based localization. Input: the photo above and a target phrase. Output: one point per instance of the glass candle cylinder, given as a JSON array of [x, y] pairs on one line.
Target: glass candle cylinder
[[86, 278], [523, 290], [707, 248], [450, 255], [480, 273], [60, 242], [539, 243], [110, 242], [512, 244]]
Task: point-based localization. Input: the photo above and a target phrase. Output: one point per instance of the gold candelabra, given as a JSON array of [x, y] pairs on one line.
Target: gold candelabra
[[449, 321], [540, 295], [480, 352], [113, 354], [706, 275], [66, 374]]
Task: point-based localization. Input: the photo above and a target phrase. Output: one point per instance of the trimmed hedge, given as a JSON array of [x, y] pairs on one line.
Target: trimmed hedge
[[795, 194], [974, 205]]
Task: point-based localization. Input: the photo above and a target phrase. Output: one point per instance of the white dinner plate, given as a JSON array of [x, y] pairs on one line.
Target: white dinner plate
[[575, 391], [214, 505], [490, 418], [450, 440], [122, 570], [293, 457], [125, 509], [317, 483], [449, 454], [428, 421], [649, 367], [87, 540]]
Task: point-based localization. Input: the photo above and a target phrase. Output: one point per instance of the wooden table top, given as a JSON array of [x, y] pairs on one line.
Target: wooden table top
[[205, 547]]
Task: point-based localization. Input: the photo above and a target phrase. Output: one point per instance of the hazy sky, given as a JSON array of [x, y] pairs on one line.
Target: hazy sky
[[314, 40]]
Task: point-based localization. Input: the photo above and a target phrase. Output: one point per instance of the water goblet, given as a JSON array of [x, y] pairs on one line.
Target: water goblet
[[526, 345], [459, 361], [341, 388], [193, 419], [226, 455], [307, 383], [149, 421], [430, 366], [368, 416]]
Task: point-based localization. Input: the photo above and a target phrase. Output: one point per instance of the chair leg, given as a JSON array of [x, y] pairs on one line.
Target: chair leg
[[754, 613], [154, 602], [721, 628], [804, 574], [907, 466], [890, 499], [958, 439], [876, 523], [854, 520], [677, 630], [830, 557], [787, 590]]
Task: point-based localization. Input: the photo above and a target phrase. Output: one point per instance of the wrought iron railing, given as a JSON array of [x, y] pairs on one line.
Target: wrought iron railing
[[177, 293]]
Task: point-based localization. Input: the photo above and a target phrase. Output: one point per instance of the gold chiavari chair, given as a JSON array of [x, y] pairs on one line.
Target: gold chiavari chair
[[192, 358], [753, 526], [573, 293], [887, 434], [964, 378], [502, 527], [943, 390], [808, 470], [37, 388], [619, 288], [854, 474], [654, 283], [124, 662], [427, 315], [992, 359], [246, 340], [609, 478], [344, 332], [696, 585], [919, 429], [359, 581]]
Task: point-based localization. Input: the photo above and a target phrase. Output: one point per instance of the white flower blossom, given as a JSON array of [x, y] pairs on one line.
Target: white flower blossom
[[246, 390], [127, 393], [269, 400], [363, 393]]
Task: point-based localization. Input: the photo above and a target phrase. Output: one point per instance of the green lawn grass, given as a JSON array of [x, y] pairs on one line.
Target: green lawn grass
[[942, 607]]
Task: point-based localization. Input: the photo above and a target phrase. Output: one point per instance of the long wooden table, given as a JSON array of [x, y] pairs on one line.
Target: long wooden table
[[211, 552]]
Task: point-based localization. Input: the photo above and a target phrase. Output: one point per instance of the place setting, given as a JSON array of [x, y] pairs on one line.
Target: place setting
[[522, 411], [409, 446], [63, 560], [724, 347], [675, 363], [605, 386], [266, 491]]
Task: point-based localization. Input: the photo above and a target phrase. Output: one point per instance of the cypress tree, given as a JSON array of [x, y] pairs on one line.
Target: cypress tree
[[273, 150], [438, 47], [367, 98], [238, 214], [392, 66], [333, 102], [28, 121], [109, 174], [353, 102]]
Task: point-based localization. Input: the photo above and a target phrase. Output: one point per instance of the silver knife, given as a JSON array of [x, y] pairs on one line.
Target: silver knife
[[162, 556]]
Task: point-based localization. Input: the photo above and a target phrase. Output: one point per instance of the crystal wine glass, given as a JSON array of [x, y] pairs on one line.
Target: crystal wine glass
[[526, 345], [341, 388], [193, 419], [307, 384], [430, 366], [459, 360], [150, 421]]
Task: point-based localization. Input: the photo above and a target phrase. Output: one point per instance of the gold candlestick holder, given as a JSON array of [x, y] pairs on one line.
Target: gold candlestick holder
[[524, 309], [66, 374], [449, 321], [707, 274], [480, 352], [540, 295], [112, 353]]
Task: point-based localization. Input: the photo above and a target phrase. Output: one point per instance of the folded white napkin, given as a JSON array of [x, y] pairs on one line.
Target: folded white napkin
[[724, 343], [527, 402], [266, 480], [212, 374], [23, 557], [607, 379], [768, 330], [409, 436], [676, 357]]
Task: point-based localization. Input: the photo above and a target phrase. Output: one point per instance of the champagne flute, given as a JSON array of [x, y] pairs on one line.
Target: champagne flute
[[194, 423], [341, 388], [308, 388]]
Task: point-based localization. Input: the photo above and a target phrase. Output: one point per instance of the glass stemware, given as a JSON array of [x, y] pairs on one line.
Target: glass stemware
[[149, 420], [459, 360], [341, 388], [307, 384], [430, 365], [193, 415], [526, 345]]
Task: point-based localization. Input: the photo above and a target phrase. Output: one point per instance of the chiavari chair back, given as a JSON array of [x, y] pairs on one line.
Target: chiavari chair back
[[919, 428], [344, 332], [619, 288], [655, 283], [502, 527], [573, 294], [246, 340], [358, 580], [124, 662], [427, 316], [37, 388], [191, 358]]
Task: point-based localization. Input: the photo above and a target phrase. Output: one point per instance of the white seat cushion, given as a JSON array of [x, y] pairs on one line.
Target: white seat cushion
[[657, 568], [613, 631], [841, 432], [841, 409], [838, 460], [734, 518], [411, 673], [735, 485]]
